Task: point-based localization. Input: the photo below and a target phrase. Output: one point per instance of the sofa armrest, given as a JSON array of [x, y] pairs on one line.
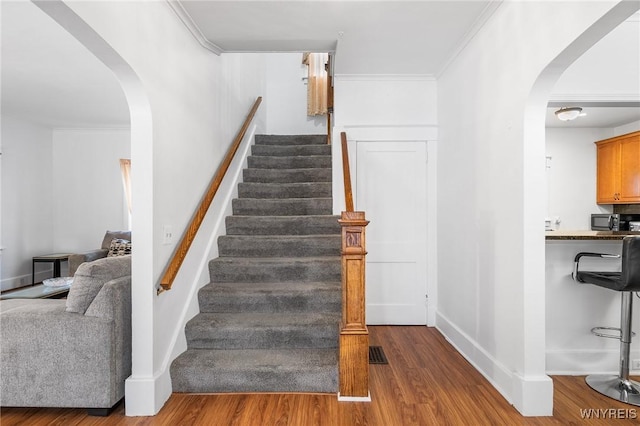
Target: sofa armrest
[[53, 358], [76, 260], [113, 302]]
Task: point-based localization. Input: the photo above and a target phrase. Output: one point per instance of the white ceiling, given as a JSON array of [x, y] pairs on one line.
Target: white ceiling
[[605, 81], [49, 78], [596, 116], [375, 37]]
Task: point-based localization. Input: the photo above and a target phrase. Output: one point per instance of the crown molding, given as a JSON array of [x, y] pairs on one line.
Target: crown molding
[[480, 21], [596, 99], [188, 22]]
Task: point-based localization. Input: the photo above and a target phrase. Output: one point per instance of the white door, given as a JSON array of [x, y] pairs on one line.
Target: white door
[[391, 188]]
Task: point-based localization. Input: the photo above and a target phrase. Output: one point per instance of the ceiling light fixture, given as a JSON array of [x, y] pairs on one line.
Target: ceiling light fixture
[[569, 113]]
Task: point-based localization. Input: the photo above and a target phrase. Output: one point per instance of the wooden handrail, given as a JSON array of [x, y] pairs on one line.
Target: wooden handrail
[[348, 193], [181, 251]]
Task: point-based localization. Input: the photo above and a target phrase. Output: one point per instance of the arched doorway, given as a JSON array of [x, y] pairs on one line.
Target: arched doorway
[[534, 168], [143, 291]]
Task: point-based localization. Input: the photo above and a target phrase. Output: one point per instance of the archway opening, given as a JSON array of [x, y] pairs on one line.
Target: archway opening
[[141, 130], [535, 164]]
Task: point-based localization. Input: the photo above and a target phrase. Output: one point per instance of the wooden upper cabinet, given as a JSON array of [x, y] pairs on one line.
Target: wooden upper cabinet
[[618, 170], [608, 172]]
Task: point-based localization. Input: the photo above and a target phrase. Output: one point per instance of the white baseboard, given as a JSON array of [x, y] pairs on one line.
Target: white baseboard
[[499, 376], [531, 396], [24, 280], [586, 361], [146, 395]]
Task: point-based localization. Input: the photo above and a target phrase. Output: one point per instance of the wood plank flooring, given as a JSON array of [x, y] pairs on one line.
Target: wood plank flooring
[[425, 383]]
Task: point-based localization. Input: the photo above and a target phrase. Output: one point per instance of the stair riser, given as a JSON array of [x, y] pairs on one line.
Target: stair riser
[[321, 302], [291, 139], [308, 162], [286, 175], [269, 319], [280, 272], [290, 150], [300, 338], [213, 381], [293, 207], [284, 190], [229, 245], [295, 225]]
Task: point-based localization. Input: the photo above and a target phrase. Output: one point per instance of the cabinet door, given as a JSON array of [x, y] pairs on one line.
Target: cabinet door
[[608, 172], [630, 169]]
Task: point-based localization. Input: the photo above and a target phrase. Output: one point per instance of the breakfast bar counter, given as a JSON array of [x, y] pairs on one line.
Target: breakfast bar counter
[[588, 235], [572, 309]]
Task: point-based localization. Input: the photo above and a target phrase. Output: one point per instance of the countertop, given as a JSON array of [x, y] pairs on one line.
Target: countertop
[[587, 235]]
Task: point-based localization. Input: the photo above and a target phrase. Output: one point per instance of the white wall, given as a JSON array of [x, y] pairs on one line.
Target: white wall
[[571, 176], [389, 108], [491, 167], [286, 97], [626, 128], [61, 190], [380, 108], [88, 195], [608, 71], [27, 196], [186, 105]]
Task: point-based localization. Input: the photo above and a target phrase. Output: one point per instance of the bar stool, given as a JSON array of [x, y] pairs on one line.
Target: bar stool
[[618, 387]]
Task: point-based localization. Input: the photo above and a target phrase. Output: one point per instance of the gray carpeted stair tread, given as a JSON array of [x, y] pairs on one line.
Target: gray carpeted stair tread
[[269, 319], [281, 206], [291, 162], [262, 269], [260, 330], [287, 175], [279, 245], [292, 296], [292, 370], [282, 225], [284, 190], [291, 139], [290, 150]]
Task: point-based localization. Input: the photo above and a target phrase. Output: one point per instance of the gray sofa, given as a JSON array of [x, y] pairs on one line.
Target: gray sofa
[[74, 352], [76, 259]]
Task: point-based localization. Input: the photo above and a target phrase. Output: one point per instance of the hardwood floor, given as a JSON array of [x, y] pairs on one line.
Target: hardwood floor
[[425, 383]]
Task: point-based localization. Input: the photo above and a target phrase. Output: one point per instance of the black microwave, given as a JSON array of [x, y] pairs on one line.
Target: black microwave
[[605, 222], [612, 222]]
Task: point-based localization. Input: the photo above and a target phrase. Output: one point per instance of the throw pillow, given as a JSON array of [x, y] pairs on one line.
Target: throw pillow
[[119, 247], [110, 235], [91, 276]]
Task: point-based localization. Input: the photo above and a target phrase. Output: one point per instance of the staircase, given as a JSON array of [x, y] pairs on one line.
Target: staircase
[[269, 319]]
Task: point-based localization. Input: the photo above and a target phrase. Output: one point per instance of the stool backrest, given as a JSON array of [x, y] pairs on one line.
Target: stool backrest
[[630, 278]]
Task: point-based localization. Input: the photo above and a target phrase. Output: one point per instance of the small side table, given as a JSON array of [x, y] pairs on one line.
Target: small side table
[[56, 259]]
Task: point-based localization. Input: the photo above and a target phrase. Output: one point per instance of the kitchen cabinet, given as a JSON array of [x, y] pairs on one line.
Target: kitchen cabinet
[[618, 170]]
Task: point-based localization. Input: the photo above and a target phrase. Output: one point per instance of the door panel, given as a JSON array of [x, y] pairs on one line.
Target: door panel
[[391, 189]]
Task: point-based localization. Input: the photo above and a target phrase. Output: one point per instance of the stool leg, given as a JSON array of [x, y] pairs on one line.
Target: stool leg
[[625, 334], [620, 387]]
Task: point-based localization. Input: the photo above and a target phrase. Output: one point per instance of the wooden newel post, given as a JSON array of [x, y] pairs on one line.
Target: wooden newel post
[[354, 335]]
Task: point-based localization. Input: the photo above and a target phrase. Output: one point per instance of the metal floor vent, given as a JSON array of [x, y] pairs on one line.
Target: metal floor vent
[[377, 356]]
